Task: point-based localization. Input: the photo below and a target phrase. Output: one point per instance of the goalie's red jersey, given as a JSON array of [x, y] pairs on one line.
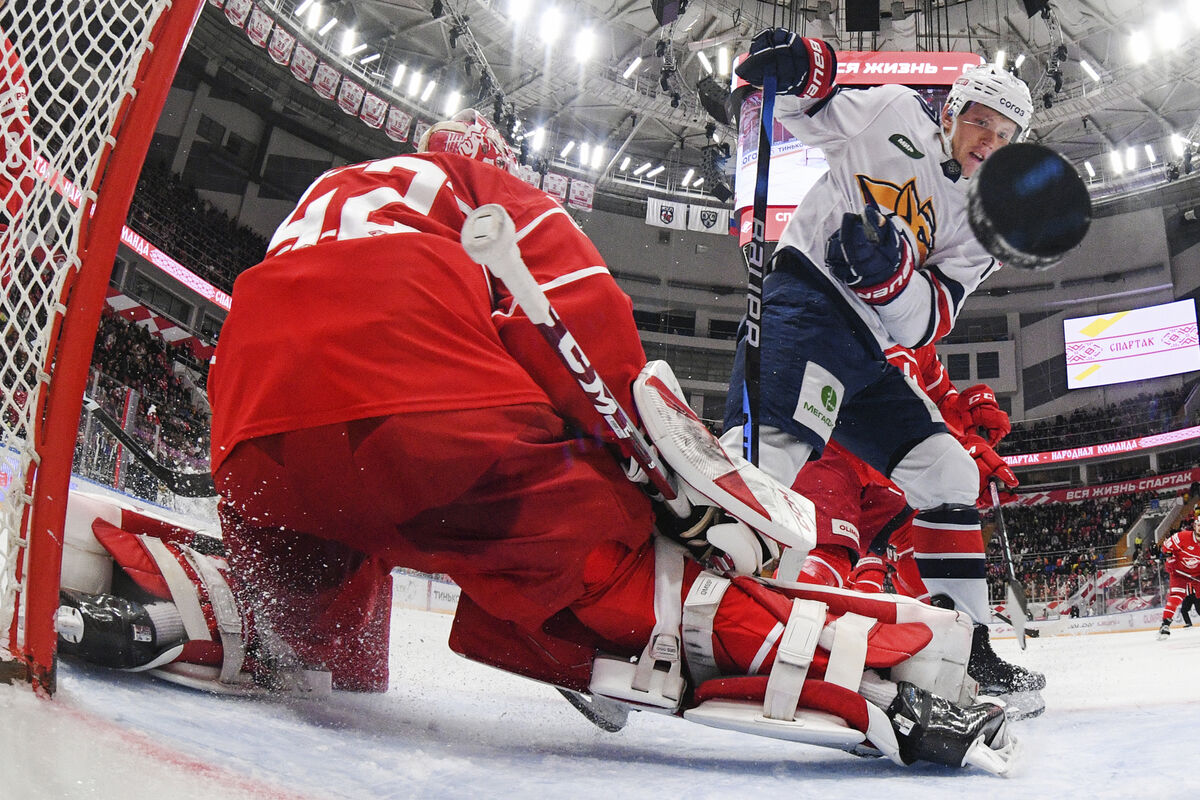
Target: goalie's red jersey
[[366, 305]]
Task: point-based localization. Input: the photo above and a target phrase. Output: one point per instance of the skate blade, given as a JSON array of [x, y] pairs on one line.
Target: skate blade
[[1018, 705]]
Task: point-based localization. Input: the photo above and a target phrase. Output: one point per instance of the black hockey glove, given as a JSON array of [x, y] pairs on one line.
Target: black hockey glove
[[870, 256], [803, 67]]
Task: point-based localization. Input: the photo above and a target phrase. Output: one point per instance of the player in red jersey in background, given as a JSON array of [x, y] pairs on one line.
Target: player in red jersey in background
[[1181, 552], [379, 401]]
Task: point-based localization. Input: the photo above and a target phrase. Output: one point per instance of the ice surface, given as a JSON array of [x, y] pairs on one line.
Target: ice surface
[[1123, 719]]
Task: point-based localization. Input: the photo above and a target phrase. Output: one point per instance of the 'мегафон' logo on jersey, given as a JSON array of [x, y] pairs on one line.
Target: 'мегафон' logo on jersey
[[905, 145]]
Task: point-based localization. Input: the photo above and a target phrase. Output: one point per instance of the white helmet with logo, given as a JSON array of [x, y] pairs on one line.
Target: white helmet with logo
[[470, 134], [995, 88]]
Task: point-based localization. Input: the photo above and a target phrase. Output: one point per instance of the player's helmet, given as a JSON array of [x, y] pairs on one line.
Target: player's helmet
[[470, 134], [995, 88]]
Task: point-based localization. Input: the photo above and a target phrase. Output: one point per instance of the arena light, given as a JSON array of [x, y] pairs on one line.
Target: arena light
[[704, 62], [698, 182], [1139, 47], [624, 164], [551, 25], [1091, 171], [638, 172], [723, 60], [1115, 161], [300, 9], [314, 17], [452, 102], [1167, 32], [371, 59], [428, 90], [1150, 154], [356, 50], [632, 66], [1178, 144], [687, 176], [347, 41], [537, 139], [399, 76], [597, 156], [585, 44], [652, 173], [1019, 61], [327, 27], [585, 151], [1001, 58], [1130, 158], [567, 150], [1090, 70], [519, 9]]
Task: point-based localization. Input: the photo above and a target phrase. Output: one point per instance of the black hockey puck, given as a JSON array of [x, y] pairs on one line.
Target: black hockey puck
[[1028, 206]]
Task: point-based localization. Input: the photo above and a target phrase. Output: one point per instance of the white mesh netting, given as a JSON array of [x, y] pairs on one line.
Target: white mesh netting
[[66, 69]]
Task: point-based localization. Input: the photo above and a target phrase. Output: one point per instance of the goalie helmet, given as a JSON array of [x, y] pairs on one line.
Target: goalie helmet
[[469, 133], [995, 88]]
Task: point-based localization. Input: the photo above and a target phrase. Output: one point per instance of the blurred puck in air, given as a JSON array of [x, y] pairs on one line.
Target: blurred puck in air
[[1028, 206]]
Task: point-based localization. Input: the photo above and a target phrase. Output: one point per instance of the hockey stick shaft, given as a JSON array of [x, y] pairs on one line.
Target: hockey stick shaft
[[755, 252], [1014, 590], [1032, 633], [184, 484], [490, 238]]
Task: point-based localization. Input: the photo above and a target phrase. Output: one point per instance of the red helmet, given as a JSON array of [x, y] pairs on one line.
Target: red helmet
[[470, 134]]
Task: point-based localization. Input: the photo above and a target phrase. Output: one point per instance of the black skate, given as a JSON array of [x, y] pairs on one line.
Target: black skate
[[1019, 688], [1164, 631], [931, 728], [105, 629]]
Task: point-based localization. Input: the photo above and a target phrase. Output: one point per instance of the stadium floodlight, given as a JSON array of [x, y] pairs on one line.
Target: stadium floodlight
[[567, 149], [1090, 70], [704, 62], [655, 171], [597, 156], [414, 83], [428, 90], [723, 60], [633, 65], [551, 25], [1116, 162], [300, 9], [638, 172], [327, 27], [687, 176], [1091, 171], [585, 44], [399, 76], [1151, 156], [624, 164]]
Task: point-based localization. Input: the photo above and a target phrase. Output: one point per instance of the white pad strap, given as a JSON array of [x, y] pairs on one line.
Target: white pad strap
[[225, 610], [699, 611], [183, 591], [793, 658], [662, 651], [847, 650]]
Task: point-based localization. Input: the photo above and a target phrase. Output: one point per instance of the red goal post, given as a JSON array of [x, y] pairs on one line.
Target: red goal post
[[81, 89]]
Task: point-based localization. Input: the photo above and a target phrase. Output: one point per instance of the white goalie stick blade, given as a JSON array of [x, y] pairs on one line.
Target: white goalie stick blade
[[731, 482]]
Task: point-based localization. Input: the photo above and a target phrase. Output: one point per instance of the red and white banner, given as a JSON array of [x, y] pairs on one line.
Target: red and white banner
[[555, 185], [581, 194], [1106, 449], [419, 131], [325, 80], [858, 68], [167, 329], [303, 62], [374, 110], [258, 29], [350, 96], [1102, 580], [1154, 483], [397, 125], [280, 46], [236, 11], [216, 3]]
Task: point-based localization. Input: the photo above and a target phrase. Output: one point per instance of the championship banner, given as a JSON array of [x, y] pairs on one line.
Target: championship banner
[[280, 46], [236, 11], [581, 194], [350, 96], [216, 3], [419, 131], [1155, 483], [374, 110], [397, 125], [555, 185], [258, 28], [708, 220], [666, 214], [303, 62], [325, 80]]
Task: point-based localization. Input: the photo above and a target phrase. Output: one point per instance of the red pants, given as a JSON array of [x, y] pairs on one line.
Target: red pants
[[500, 499], [1181, 586]]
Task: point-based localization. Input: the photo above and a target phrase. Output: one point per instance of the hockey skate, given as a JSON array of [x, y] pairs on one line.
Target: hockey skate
[[1164, 631], [931, 728], [116, 632], [1019, 688]]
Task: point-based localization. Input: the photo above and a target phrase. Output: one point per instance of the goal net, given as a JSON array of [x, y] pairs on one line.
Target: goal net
[[81, 87]]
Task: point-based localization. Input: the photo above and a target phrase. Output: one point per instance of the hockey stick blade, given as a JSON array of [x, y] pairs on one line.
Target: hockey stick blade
[[1014, 591], [490, 239], [184, 484]]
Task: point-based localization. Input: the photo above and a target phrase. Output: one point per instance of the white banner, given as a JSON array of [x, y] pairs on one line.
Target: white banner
[[325, 81], [258, 29], [666, 214], [555, 185], [581, 194], [374, 110], [708, 220], [397, 125], [303, 62], [350, 96], [236, 11], [419, 131], [280, 46]]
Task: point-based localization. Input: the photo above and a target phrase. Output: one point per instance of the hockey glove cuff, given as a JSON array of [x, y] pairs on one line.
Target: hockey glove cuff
[[870, 255], [802, 66]]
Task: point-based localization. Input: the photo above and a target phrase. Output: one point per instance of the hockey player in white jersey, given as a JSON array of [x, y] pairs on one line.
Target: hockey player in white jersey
[[879, 253]]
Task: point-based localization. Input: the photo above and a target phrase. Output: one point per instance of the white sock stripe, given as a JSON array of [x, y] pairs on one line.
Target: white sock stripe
[[945, 526], [765, 649], [931, 556]]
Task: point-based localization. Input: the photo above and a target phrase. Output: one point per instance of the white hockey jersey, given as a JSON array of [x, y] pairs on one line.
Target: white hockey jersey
[[883, 145]]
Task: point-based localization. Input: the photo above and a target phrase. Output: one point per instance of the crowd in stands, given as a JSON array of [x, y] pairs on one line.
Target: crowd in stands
[[172, 216], [171, 418], [1130, 418]]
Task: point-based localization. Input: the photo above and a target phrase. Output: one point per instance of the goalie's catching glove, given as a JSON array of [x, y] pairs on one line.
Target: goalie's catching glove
[[803, 67], [871, 256]]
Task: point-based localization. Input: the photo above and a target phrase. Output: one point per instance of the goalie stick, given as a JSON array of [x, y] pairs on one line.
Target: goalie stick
[[184, 484], [1014, 591], [490, 238], [755, 252]]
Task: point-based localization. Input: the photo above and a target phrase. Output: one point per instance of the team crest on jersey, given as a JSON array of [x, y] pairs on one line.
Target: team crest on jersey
[[907, 205], [666, 214]]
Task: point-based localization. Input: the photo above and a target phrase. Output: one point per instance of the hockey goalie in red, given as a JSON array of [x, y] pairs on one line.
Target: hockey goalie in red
[[1181, 551], [379, 401]]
